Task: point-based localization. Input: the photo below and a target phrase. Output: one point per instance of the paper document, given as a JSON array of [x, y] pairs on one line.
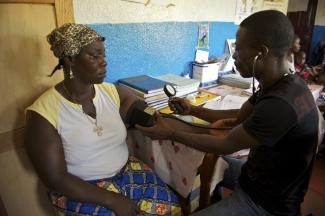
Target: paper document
[[201, 56], [233, 102], [213, 105]]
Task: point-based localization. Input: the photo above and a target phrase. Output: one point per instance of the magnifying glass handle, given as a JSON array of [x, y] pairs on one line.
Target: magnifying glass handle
[[178, 107]]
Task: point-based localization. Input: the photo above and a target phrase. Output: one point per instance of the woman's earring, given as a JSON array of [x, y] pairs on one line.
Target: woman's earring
[[71, 74]]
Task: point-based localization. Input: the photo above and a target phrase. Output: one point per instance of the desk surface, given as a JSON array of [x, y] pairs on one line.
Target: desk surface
[[200, 98]]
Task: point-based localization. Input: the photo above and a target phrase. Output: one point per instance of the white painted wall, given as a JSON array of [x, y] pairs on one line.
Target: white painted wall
[[298, 5], [123, 11], [320, 14], [118, 11]]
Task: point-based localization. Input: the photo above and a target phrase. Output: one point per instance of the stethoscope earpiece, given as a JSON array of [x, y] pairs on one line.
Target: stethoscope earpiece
[[258, 55]]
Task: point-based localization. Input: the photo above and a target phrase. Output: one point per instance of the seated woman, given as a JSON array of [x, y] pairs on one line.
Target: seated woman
[[301, 67], [75, 137]]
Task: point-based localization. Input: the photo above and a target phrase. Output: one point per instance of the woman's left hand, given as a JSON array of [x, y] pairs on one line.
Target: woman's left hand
[[230, 122], [158, 131]]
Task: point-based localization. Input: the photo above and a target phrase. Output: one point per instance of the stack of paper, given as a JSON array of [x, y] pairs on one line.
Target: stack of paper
[[236, 80], [183, 86], [150, 89]]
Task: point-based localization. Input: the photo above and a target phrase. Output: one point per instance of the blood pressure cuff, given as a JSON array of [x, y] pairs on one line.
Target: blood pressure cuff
[[140, 113]]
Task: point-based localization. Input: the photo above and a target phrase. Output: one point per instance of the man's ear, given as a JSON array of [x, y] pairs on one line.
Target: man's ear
[[263, 51]]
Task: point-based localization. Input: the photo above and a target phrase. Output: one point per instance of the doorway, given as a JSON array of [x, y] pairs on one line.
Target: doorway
[[303, 21]]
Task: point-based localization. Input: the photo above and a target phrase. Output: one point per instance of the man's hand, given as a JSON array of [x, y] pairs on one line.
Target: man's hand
[[180, 106], [159, 131], [127, 207]]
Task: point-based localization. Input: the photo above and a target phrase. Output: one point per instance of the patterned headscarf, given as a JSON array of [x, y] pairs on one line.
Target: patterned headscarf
[[70, 38]]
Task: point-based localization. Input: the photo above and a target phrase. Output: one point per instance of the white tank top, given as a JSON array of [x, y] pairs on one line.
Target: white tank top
[[88, 155]]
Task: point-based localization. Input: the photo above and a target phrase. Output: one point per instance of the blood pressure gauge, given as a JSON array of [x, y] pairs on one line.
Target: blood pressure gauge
[[169, 90]]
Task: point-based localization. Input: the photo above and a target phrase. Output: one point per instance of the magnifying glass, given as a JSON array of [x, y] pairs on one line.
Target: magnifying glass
[[170, 91]]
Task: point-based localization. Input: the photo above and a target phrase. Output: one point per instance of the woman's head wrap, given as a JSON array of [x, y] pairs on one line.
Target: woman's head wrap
[[70, 38]]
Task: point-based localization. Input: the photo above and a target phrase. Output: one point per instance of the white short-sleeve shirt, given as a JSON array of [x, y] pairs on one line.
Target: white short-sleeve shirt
[[88, 155]]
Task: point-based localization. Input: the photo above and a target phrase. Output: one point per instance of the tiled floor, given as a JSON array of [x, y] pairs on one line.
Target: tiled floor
[[315, 199]]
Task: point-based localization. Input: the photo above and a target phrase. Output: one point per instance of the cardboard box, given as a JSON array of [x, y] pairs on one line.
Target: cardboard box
[[206, 73]]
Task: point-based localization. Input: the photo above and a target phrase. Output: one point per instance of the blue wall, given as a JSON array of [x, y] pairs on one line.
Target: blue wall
[[158, 48], [318, 35]]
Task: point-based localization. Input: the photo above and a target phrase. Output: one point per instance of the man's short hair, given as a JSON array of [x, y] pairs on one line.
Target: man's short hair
[[270, 28]]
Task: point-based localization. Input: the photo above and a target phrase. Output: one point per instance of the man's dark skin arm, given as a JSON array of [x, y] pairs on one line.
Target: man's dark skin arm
[[44, 147], [236, 140]]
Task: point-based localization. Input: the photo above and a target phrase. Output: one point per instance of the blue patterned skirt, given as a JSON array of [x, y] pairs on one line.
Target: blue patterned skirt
[[135, 181]]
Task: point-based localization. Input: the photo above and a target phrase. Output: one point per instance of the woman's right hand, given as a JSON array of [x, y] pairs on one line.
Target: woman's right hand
[[180, 106], [126, 207]]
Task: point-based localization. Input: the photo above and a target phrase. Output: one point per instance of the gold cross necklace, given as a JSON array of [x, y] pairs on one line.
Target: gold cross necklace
[[97, 128]]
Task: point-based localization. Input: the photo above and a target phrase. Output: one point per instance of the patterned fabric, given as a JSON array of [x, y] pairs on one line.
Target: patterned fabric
[[175, 163], [70, 38], [136, 181]]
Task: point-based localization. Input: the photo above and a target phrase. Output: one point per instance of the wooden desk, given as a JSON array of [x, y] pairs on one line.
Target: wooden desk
[[176, 164]]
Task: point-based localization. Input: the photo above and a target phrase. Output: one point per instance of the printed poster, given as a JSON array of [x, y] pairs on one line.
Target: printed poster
[[280, 5], [244, 8], [203, 39]]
